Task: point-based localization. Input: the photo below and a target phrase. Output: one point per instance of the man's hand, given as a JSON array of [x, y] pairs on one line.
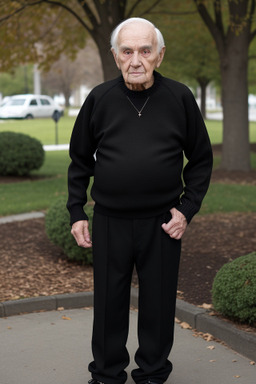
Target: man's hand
[[176, 227], [80, 231]]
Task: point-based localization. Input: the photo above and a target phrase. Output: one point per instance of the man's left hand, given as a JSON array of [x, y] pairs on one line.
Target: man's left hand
[[176, 227]]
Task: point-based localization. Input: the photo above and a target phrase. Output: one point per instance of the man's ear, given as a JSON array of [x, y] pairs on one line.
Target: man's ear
[[115, 57], [160, 57]]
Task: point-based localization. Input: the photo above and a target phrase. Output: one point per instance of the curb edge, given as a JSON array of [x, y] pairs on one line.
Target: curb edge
[[198, 318]]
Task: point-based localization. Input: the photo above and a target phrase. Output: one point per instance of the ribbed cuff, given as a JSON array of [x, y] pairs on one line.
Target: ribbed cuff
[[77, 213], [188, 209]]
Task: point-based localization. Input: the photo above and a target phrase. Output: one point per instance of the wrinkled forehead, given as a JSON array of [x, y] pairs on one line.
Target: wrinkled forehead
[[137, 34]]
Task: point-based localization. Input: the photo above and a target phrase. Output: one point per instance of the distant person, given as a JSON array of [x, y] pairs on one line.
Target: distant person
[[139, 125]]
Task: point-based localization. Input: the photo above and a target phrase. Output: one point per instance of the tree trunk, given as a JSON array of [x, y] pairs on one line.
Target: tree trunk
[[203, 100], [234, 73], [110, 14], [67, 96], [203, 85], [110, 70]]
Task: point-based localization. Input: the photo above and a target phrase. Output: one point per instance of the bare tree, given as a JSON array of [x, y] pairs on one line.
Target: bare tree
[[65, 75]]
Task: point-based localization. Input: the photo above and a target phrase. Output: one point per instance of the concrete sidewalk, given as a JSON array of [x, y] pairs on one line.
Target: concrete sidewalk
[[198, 318], [54, 348]]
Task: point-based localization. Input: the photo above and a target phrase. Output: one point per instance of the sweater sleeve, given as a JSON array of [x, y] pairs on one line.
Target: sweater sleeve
[[198, 152], [82, 150]]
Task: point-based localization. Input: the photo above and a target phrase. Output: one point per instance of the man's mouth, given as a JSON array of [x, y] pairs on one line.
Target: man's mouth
[[136, 73]]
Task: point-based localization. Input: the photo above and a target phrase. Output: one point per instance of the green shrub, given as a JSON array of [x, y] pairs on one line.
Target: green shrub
[[19, 154], [234, 289], [57, 225]]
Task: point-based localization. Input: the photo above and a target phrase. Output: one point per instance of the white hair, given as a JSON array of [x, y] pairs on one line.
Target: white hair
[[116, 31]]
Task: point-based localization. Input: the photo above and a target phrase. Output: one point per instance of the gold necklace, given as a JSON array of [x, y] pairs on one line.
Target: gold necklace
[[139, 111]]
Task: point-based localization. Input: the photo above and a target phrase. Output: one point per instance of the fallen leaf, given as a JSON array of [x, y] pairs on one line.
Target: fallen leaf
[[208, 337], [211, 347], [66, 318], [237, 376], [15, 297], [185, 325], [212, 361], [252, 362], [60, 309], [234, 361], [206, 306]]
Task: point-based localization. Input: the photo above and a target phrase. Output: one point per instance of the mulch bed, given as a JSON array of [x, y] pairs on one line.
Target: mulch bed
[[31, 266]]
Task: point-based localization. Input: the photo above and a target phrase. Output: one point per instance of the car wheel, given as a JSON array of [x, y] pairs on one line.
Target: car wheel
[[29, 117]]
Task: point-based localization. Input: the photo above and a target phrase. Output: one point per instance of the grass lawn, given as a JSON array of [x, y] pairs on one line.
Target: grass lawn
[[215, 131], [38, 194], [41, 129], [229, 198], [44, 129]]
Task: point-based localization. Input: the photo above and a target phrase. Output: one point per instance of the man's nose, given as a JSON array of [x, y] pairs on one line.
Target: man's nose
[[135, 59]]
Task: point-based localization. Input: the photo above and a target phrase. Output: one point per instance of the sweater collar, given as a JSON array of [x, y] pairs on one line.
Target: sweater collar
[[142, 94]]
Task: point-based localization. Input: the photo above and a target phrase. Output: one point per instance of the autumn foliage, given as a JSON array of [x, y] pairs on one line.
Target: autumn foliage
[[234, 289]]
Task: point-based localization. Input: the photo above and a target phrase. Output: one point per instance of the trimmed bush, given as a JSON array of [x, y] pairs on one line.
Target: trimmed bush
[[19, 154], [234, 289], [57, 225]]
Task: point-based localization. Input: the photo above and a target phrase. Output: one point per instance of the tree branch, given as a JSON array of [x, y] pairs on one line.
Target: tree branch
[[133, 8], [218, 16], [70, 10], [209, 22], [147, 11], [172, 13], [252, 11], [19, 10], [54, 3], [101, 7]]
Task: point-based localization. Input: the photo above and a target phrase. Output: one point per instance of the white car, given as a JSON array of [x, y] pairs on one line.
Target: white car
[[28, 107]]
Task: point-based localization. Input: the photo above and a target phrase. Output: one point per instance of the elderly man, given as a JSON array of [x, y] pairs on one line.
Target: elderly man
[[139, 125]]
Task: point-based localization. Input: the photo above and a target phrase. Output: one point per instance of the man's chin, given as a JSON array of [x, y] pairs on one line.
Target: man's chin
[[136, 83]]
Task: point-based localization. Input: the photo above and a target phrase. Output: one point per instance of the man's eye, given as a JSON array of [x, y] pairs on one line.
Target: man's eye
[[146, 52], [127, 52]]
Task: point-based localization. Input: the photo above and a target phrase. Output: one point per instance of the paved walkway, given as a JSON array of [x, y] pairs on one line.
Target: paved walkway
[[54, 348]]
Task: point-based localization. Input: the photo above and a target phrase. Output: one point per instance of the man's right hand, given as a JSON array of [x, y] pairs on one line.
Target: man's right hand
[[80, 231]]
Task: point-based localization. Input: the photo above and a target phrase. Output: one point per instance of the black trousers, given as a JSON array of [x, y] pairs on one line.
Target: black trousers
[[118, 246]]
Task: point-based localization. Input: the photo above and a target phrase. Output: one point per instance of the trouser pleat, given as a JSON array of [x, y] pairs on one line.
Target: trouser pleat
[[157, 266], [113, 267]]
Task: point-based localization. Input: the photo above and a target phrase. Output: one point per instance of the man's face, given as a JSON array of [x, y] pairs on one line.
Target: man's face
[[138, 55]]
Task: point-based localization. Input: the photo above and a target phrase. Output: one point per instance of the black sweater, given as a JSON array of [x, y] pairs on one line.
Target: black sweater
[[139, 160]]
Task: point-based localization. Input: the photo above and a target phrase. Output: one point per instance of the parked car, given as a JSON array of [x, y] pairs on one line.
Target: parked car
[[28, 107]]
